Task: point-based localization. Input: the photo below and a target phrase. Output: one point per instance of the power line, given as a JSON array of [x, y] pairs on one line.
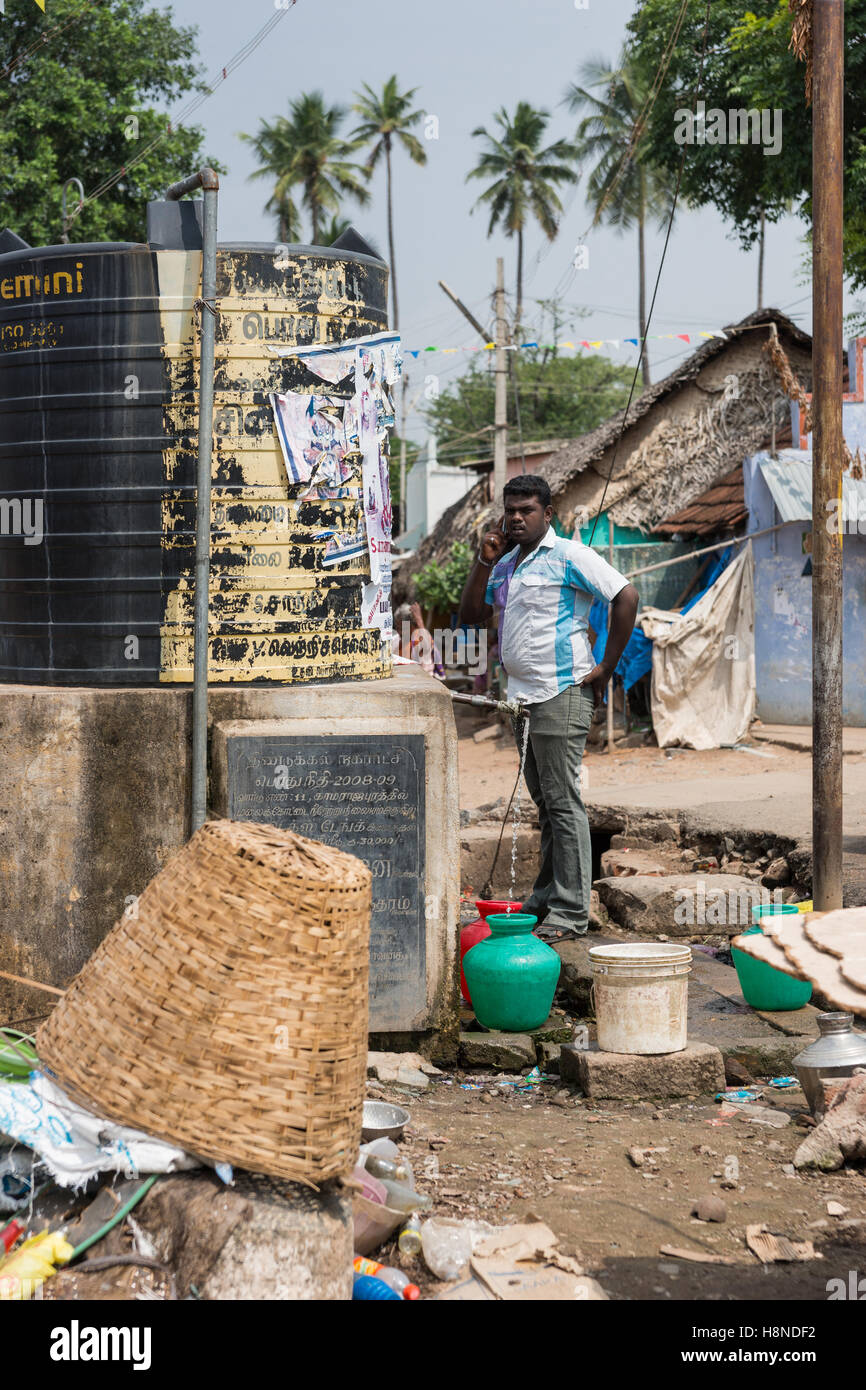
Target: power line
[[193, 105]]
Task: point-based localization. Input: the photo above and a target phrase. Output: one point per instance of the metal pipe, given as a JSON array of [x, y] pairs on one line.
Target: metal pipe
[[708, 549], [828, 65], [208, 181], [516, 707]]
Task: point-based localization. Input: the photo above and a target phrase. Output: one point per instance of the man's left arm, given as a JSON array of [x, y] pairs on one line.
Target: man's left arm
[[623, 611]]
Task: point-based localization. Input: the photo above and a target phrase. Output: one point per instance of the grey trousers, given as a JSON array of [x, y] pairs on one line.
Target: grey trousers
[[557, 736]]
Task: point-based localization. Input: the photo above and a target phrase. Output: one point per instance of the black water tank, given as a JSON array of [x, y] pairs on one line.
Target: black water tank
[[98, 420]]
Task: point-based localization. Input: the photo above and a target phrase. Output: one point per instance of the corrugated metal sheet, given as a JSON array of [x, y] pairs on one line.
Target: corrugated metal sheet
[[789, 478]]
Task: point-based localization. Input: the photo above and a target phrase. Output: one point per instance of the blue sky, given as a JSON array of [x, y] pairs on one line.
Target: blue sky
[[468, 58]]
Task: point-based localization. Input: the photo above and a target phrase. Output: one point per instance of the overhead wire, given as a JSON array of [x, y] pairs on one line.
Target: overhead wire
[[193, 105], [625, 419]]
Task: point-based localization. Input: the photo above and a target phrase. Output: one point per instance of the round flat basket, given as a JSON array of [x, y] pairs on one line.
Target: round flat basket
[[229, 1013]]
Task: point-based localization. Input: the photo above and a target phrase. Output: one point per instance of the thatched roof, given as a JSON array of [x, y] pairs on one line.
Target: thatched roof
[[573, 458], [682, 458]]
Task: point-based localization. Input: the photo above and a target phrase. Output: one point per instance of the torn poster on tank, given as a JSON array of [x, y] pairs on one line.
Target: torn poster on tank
[[312, 439], [341, 545], [316, 449]]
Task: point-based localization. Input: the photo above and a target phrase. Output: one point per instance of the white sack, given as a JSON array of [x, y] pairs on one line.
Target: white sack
[[74, 1144], [703, 681]]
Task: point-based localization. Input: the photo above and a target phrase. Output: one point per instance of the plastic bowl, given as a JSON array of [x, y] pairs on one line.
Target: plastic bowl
[[766, 988], [380, 1120], [774, 910]]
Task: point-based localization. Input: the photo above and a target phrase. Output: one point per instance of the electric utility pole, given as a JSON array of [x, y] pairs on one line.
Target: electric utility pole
[[500, 407], [828, 68], [500, 416]]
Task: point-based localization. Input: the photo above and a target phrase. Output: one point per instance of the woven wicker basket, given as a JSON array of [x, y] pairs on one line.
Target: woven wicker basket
[[230, 1014]]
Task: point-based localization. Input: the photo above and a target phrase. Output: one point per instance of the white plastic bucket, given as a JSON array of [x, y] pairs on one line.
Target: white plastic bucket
[[641, 996]]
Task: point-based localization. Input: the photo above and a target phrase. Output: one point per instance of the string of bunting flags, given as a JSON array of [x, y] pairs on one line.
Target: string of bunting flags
[[593, 344]]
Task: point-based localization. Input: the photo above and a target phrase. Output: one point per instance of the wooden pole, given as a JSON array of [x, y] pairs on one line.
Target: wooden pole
[[828, 59]]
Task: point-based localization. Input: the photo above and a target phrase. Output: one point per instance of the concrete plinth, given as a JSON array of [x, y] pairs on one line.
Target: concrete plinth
[[697, 1070], [94, 798]]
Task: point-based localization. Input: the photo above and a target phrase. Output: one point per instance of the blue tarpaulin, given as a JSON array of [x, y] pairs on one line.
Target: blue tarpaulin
[[637, 659]]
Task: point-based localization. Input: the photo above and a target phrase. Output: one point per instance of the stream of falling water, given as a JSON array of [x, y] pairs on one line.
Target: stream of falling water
[[515, 818]]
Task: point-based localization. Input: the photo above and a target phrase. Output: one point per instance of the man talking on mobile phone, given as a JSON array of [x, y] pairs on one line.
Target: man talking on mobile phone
[[542, 587]]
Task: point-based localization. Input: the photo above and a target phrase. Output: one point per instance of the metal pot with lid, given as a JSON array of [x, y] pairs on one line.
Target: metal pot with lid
[[837, 1052]]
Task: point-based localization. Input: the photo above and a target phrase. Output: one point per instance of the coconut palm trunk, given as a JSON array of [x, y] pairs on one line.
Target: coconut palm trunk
[[518, 315], [390, 203], [641, 308]]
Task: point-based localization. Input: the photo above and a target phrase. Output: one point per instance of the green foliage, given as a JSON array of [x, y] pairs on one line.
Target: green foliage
[[65, 109], [523, 177], [384, 116], [440, 586], [613, 98], [305, 149], [560, 398], [749, 64]]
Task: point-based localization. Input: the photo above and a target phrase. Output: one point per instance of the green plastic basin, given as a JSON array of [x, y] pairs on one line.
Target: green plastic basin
[[766, 988]]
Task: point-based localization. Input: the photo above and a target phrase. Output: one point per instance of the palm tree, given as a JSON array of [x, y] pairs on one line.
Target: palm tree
[[384, 118], [622, 189], [333, 230], [305, 149], [523, 177]]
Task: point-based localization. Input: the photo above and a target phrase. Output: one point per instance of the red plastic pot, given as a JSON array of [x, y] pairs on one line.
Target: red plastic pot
[[478, 930]]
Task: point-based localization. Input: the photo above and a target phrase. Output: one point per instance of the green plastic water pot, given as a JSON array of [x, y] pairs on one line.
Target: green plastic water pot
[[512, 976]]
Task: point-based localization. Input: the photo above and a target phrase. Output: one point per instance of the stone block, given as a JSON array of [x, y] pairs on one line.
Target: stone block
[[505, 1051], [681, 904], [297, 1245], [547, 1056], [697, 1070]]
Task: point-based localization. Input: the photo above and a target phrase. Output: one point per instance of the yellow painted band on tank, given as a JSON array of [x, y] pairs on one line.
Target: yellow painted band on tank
[[267, 571]]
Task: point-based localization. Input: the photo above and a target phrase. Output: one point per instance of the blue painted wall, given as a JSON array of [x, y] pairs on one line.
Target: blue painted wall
[[783, 614]]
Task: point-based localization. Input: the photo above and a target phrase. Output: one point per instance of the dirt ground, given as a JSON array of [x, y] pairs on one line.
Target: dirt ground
[[512, 1155], [503, 1154], [488, 769]]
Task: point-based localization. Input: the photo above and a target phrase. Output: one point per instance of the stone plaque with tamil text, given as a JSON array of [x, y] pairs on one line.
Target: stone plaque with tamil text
[[365, 794]]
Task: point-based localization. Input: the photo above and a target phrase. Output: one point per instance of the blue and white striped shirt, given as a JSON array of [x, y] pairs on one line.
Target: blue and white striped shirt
[[543, 607]]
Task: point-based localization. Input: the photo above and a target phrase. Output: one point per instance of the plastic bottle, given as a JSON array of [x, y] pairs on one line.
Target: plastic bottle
[[10, 1233], [385, 1148], [369, 1290], [384, 1168], [394, 1278], [409, 1239], [403, 1198]]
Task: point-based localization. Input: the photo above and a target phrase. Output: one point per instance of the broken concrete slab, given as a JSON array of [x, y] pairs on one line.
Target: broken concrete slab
[[402, 1069], [697, 1070], [681, 904], [575, 977], [768, 1055], [507, 1051], [555, 1029], [840, 1138], [477, 848], [627, 862]]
